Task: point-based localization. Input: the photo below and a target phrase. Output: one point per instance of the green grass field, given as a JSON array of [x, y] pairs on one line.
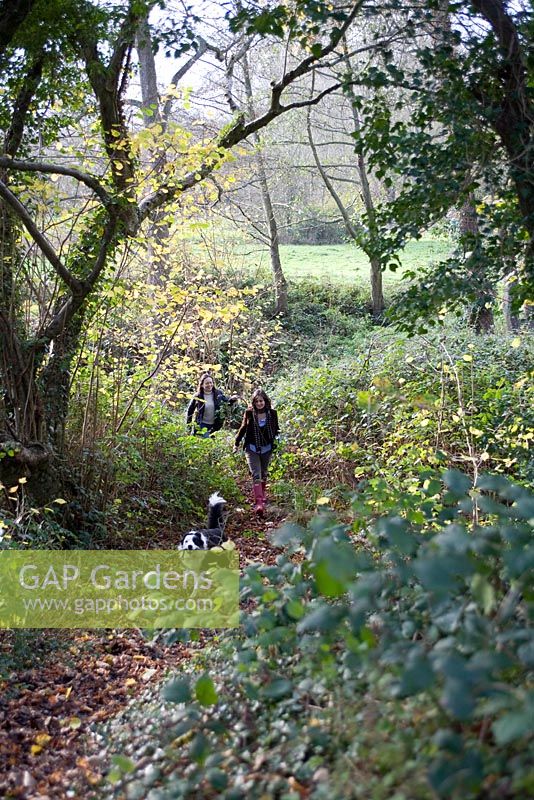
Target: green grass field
[[345, 263]]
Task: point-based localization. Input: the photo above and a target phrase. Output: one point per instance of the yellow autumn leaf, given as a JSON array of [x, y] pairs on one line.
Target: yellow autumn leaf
[[515, 343], [23, 480], [42, 739], [59, 501], [229, 545], [322, 501], [467, 357], [475, 431]]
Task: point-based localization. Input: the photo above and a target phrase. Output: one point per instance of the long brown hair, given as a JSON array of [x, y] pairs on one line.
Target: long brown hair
[[203, 377], [258, 434], [260, 393]]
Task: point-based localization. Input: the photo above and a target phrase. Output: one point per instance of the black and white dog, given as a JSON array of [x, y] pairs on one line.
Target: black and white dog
[[213, 535]]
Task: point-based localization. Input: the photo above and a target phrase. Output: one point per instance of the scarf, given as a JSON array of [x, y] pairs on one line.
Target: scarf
[[259, 433]]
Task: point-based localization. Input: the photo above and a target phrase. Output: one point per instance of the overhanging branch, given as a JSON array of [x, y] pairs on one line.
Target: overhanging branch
[[56, 169], [41, 240]]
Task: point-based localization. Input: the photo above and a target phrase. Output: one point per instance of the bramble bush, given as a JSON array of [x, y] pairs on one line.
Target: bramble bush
[[391, 657]]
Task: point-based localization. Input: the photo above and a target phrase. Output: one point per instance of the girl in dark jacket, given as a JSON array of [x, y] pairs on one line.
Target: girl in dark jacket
[[258, 431], [207, 404]]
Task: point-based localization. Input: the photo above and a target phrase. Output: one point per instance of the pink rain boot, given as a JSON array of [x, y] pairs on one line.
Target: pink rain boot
[[258, 498], [264, 490]]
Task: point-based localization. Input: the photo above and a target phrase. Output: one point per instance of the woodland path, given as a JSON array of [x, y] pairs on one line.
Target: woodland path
[[86, 678]]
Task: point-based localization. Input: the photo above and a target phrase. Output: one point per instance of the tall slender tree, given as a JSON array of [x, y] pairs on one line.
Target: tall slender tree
[[279, 280]]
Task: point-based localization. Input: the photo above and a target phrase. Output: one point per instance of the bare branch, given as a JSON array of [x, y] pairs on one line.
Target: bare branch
[[45, 246], [236, 134], [55, 169], [235, 58], [353, 233], [203, 47], [308, 63], [240, 129], [184, 69]]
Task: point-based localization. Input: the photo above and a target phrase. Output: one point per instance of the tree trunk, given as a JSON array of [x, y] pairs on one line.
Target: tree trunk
[[279, 280], [512, 114], [23, 441], [54, 382], [158, 232], [377, 294], [481, 312], [511, 319], [36, 384], [24, 436], [36, 376], [147, 72]]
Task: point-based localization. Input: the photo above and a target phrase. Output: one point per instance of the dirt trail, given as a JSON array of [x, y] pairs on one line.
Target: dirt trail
[[86, 678]]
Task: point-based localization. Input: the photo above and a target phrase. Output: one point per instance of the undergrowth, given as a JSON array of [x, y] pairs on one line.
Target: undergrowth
[[397, 668], [400, 405]]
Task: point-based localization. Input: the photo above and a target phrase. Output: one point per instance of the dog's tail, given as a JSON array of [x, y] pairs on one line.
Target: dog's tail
[[216, 506]]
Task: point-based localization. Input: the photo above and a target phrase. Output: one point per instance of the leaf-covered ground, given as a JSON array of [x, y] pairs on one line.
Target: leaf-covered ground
[[49, 708], [46, 710]]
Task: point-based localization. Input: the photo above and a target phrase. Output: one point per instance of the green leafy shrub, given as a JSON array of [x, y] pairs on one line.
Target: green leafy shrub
[[163, 476], [315, 309], [400, 407], [389, 657]]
